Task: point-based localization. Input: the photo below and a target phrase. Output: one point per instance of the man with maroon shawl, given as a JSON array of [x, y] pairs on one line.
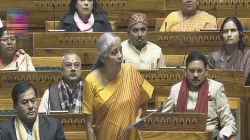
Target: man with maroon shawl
[[198, 94]]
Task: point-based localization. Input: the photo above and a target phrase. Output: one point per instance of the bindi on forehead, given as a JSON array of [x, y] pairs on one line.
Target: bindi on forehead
[[71, 61], [71, 58]]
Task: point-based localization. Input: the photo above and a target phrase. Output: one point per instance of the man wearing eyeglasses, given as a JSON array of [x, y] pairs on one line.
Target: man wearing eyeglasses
[[198, 94], [67, 94]]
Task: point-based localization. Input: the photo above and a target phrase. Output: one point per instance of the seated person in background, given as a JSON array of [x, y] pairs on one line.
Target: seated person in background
[[84, 16], [9, 58], [189, 18], [233, 54], [198, 94], [27, 124], [114, 94], [137, 51], [66, 95]]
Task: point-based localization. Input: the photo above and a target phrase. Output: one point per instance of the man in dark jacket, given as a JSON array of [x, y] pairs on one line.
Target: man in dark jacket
[[27, 124]]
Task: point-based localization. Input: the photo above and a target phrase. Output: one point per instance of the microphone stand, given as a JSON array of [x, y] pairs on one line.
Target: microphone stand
[[235, 9], [48, 111], [54, 17], [215, 9], [187, 46]]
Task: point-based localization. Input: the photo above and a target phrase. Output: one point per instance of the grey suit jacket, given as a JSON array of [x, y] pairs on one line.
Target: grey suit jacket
[[49, 129], [219, 114]]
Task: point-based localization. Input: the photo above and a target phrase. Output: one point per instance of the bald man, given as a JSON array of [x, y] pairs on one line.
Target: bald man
[[67, 94]]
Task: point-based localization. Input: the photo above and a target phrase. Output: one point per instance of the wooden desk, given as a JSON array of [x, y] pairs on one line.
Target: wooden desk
[[244, 21], [171, 60], [162, 80], [175, 126], [159, 125], [52, 25], [46, 61], [84, 44]]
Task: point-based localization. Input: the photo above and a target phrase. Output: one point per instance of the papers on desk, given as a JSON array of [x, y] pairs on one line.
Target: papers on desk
[[133, 125]]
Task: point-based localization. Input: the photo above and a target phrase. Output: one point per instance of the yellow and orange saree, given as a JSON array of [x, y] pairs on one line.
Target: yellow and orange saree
[[115, 106], [174, 22]]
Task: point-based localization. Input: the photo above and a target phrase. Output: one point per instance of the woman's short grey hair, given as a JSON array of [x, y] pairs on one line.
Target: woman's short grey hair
[[104, 44]]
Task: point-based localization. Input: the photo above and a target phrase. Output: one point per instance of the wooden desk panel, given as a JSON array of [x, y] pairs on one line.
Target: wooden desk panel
[[176, 135], [244, 21], [170, 42], [161, 79], [46, 61], [119, 11], [52, 25], [70, 122]]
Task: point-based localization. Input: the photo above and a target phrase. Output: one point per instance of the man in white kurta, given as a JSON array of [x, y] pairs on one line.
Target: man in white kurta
[[218, 109], [137, 51]]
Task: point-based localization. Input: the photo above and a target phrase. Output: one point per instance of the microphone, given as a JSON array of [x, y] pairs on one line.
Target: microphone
[[166, 25], [54, 17], [235, 9], [215, 9], [17, 67], [187, 45], [48, 111], [160, 108]]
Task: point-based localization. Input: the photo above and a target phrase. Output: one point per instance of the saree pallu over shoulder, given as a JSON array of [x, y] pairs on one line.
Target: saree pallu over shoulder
[[128, 91], [20, 63], [194, 23]]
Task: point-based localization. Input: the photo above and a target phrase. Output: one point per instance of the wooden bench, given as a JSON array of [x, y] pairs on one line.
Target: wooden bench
[[52, 25], [244, 21]]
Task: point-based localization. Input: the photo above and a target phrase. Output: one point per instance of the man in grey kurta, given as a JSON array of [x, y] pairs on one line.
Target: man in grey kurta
[[218, 109]]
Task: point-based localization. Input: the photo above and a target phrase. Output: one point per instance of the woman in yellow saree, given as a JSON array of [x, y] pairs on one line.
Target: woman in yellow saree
[[189, 18], [114, 94]]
